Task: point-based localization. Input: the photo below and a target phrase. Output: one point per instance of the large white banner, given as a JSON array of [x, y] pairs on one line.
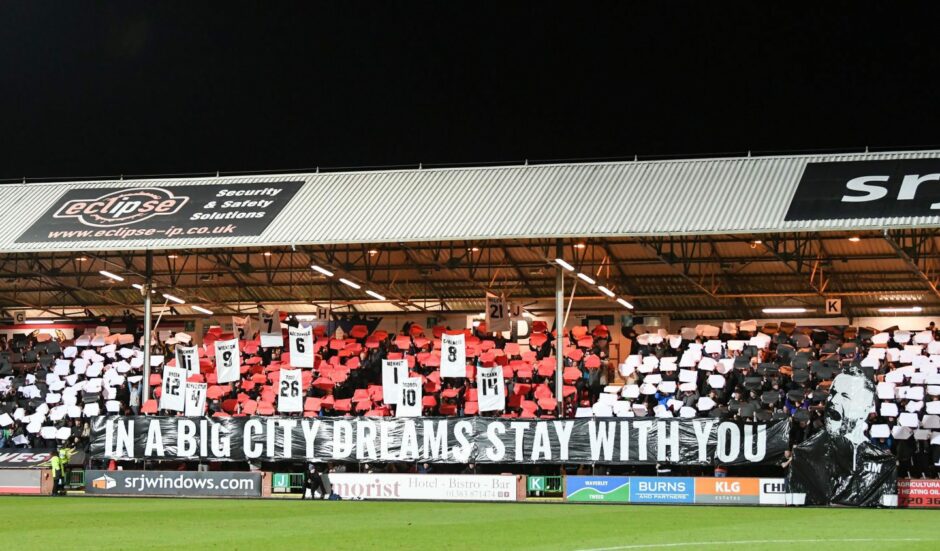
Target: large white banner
[[195, 399], [227, 361], [301, 346], [409, 398], [434, 487], [187, 357], [171, 393], [271, 336], [491, 391], [453, 355], [290, 397], [393, 373], [497, 314]]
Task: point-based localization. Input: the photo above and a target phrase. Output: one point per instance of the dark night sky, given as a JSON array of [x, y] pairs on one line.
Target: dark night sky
[[170, 87]]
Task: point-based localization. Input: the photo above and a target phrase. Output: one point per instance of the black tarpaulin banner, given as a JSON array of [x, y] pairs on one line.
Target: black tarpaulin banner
[[838, 465], [439, 440]]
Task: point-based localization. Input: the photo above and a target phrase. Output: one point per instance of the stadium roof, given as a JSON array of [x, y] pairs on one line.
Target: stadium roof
[[584, 200], [692, 239]]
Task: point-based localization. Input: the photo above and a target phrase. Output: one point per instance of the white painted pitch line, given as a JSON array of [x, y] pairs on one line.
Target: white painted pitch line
[[747, 542]]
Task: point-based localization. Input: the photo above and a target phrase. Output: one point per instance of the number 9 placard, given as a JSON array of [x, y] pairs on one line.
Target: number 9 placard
[[227, 361]]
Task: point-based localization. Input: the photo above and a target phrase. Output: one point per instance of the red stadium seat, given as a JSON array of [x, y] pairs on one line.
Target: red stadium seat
[[571, 374], [149, 407], [429, 401], [471, 408]]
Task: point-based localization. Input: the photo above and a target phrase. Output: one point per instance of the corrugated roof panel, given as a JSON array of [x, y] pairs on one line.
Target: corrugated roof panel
[[696, 196]]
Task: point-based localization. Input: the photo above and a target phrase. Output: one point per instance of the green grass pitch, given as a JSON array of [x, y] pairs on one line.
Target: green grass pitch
[[140, 523]]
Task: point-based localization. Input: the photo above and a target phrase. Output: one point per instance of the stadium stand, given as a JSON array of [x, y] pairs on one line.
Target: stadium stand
[[739, 371]]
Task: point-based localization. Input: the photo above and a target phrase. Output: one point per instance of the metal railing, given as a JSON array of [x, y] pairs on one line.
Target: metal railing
[[75, 480]]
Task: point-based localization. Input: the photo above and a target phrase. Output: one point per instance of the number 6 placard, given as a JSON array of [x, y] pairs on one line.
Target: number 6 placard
[[227, 361], [301, 346], [453, 355]]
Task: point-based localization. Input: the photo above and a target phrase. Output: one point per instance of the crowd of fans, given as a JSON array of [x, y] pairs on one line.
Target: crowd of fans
[[49, 389]]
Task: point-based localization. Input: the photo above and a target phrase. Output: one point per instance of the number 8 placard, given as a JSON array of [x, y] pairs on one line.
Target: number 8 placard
[[453, 355]]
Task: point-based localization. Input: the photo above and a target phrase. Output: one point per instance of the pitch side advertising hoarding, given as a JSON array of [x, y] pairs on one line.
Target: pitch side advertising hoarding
[[702, 491], [919, 493], [173, 483], [434, 487]]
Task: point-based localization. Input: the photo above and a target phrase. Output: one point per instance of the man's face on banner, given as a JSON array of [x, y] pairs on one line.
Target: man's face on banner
[[850, 401]]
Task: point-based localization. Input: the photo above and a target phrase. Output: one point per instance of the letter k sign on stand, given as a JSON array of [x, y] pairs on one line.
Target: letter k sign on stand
[[833, 306]]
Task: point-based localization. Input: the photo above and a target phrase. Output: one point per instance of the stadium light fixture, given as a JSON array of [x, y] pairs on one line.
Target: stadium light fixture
[[375, 295], [561, 262], [589, 279], [352, 284], [173, 298], [785, 310], [140, 288], [39, 322], [203, 310], [580, 245], [855, 239], [901, 309], [606, 291], [323, 271], [110, 275], [624, 303]]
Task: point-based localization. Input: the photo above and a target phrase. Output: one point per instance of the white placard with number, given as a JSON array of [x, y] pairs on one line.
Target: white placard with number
[[290, 397], [497, 315], [227, 361], [393, 373], [453, 355], [243, 328], [187, 357], [171, 393], [301, 346], [271, 336], [491, 391], [409, 398], [195, 399]]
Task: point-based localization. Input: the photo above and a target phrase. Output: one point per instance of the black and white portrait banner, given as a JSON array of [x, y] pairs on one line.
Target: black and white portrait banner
[[703, 441]]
